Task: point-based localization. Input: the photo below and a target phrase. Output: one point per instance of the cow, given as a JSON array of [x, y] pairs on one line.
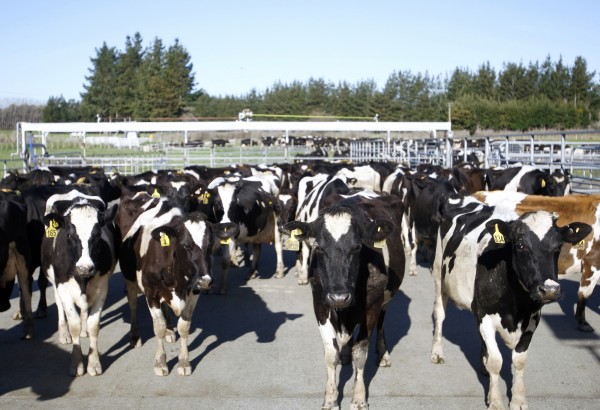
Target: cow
[[312, 192], [251, 203], [356, 267], [503, 268], [527, 179], [166, 254], [78, 256], [15, 259], [583, 257]]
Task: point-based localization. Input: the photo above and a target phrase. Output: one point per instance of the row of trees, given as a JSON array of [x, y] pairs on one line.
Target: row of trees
[[158, 82]]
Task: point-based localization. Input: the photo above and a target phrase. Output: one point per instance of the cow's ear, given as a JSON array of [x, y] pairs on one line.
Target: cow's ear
[[378, 230], [164, 234], [301, 230], [224, 231], [575, 232], [500, 231], [109, 216], [53, 220]]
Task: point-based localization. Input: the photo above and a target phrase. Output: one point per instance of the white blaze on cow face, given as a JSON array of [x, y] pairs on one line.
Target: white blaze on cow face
[[84, 219], [197, 230], [539, 223], [337, 225], [226, 192]]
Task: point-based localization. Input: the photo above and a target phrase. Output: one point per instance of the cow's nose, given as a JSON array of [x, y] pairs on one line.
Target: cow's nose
[[339, 300], [85, 270], [549, 292], [200, 283]]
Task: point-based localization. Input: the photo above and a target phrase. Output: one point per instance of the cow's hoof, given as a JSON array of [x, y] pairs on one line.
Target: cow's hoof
[[223, 292], [28, 334], [385, 360], [65, 340], [279, 275], [135, 342], [302, 281], [497, 405], [361, 405], [585, 327], [94, 369], [518, 404], [437, 359], [161, 370], [17, 315], [330, 406], [170, 336], [184, 369], [252, 275], [77, 370]]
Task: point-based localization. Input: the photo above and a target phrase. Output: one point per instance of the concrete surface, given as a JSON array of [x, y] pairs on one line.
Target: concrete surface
[[259, 348]]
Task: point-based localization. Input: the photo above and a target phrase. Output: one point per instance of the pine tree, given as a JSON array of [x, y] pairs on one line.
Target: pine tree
[[581, 84], [127, 70], [178, 78], [99, 96]]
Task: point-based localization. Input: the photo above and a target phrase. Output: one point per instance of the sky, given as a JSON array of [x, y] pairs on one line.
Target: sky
[[238, 46]]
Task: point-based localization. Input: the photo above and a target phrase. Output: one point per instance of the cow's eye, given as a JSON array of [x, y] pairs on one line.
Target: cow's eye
[[520, 245]]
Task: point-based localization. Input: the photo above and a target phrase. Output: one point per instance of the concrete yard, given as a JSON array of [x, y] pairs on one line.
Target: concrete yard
[[259, 348]]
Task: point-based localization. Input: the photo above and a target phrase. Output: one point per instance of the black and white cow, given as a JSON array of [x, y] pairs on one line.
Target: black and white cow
[[354, 272], [78, 256], [15, 260], [527, 179], [504, 269], [166, 255], [251, 203]]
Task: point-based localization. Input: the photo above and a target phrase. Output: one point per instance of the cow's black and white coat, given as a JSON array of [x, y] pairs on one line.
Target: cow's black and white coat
[[504, 269], [354, 272], [166, 254], [252, 204], [78, 256]]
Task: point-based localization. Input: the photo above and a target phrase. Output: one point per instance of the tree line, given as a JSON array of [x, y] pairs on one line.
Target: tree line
[[158, 83]]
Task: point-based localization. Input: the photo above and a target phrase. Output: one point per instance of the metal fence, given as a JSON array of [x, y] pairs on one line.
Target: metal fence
[[575, 151]]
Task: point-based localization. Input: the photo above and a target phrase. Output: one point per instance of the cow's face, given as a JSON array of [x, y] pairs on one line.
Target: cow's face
[[339, 238], [188, 243], [77, 232], [535, 242]]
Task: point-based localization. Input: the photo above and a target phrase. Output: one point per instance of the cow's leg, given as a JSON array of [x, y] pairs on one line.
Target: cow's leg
[[42, 308], [160, 331], [332, 359], [298, 263], [96, 296], [184, 368], [303, 275], [25, 280], [279, 268], [410, 250], [64, 337], [132, 299], [66, 297], [170, 335], [383, 356], [493, 362], [225, 264], [253, 274], [439, 314], [359, 358], [518, 401], [589, 279]]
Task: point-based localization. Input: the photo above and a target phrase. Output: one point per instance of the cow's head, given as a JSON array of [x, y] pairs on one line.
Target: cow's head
[[76, 228], [340, 237], [187, 243], [534, 242]]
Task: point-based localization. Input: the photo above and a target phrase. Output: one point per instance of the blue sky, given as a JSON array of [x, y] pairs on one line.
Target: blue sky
[[240, 45]]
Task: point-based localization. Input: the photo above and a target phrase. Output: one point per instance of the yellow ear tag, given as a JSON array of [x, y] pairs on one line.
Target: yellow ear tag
[[164, 240], [579, 245], [498, 237], [204, 197], [225, 241], [52, 229], [543, 183], [379, 244], [293, 244], [80, 181], [155, 194]]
